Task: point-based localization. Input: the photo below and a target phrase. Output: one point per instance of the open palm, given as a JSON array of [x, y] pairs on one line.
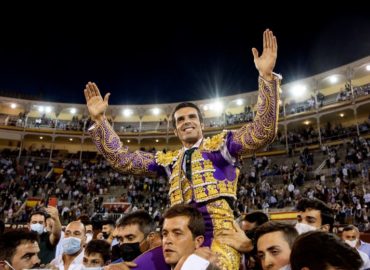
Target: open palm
[[95, 103], [266, 62]]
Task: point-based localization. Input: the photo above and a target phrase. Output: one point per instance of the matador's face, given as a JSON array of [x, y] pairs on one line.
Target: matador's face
[[188, 126]]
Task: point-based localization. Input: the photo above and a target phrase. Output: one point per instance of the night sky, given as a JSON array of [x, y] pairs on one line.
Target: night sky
[[170, 54]]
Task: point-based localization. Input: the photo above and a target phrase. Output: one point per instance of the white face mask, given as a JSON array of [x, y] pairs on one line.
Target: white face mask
[[8, 264], [89, 237], [37, 227], [352, 243], [91, 268], [303, 228]]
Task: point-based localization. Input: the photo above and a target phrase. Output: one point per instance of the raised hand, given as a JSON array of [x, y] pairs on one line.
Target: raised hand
[[95, 103], [265, 63], [235, 238]]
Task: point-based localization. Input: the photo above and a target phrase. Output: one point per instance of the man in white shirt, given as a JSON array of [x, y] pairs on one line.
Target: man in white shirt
[[73, 243], [351, 236]]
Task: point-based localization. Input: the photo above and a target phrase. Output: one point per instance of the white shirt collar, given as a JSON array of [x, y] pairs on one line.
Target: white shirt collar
[[196, 145]]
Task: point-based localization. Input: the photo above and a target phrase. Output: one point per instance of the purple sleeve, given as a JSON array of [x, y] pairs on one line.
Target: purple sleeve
[[109, 145], [262, 130]]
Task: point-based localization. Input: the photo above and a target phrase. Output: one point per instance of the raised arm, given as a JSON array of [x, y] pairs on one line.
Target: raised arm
[[262, 130], [108, 142]]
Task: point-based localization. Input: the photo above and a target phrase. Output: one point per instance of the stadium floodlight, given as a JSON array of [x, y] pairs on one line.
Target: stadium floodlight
[[156, 140], [128, 141], [205, 107], [341, 115], [41, 108], [306, 122], [298, 90], [127, 112], [239, 102], [333, 79], [73, 110], [156, 111], [48, 109], [217, 106], [70, 139], [13, 105], [41, 137], [368, 67]]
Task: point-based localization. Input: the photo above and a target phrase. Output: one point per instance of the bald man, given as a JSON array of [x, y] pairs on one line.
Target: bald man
[[73, 243]]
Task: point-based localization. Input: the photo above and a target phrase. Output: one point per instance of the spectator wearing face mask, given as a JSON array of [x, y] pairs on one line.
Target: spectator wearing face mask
[[313, 215], [19, 250], [351, 236], [88, 227], [107, 232], [132, 230], [48, 240], [72, 243], [96, 255]]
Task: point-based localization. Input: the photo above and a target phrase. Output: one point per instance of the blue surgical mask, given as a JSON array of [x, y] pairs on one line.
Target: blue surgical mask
[[71, 245], [37, 227]]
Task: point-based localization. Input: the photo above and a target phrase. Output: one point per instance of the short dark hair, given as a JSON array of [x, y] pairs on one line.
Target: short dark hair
[[41, 213], [196, 222], [185, 105], [327, 215], [350, 228], [101, 247], [257, 217], [108, 222], [288, 231], [85, 220], [9, 242], [141, 218], [317, 250]]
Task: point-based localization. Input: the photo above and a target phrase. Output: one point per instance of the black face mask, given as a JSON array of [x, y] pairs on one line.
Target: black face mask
[[105, 235], [130, 251]]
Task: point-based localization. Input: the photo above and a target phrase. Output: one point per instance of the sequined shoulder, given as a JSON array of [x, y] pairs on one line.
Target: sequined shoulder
[[165, 159], [215, 142]]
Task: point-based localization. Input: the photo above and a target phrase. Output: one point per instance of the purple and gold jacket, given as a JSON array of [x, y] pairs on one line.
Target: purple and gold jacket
[[214, 163]]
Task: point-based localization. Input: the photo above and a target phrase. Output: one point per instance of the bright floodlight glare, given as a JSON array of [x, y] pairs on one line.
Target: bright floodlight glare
[[239, 102], [128, 141], [298, 90], [205, 107], [156, 111], [73, 110], [217, 106], [48, 109], [13, 105], [70, 139], [41, 137], [41, 108], [127, 112], [341, 114], [368, 67], [333, 79], [156, 140]]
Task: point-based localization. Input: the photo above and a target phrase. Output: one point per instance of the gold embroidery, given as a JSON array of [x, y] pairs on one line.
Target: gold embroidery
[[168, 158], [214, 143], [222, 218]]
